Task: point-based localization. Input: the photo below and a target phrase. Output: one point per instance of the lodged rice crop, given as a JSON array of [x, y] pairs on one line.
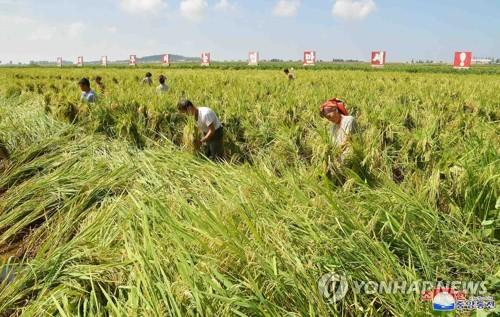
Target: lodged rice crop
[[108, 209]]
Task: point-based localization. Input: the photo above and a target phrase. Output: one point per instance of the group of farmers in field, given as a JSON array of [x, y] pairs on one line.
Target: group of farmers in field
[[334, 110]]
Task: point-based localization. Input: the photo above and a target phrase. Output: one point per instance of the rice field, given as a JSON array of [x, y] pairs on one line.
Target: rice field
[[109, 210]]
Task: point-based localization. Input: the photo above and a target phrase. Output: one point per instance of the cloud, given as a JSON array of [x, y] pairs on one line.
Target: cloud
[[286, 8], [353, 9], [27, 28], [43, 33], [142, 6], [225, 5], [76, 29], [6, 1], [193, 10], [112, 29]]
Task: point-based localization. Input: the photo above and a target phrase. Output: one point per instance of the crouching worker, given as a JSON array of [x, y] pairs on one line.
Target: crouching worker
[[162, 88], [88, 95], [147, 80], [209, 125], [289, 74], [100, 85], [343, 125]]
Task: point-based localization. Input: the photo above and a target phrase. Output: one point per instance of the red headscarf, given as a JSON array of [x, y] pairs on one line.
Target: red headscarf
[[334, 103]]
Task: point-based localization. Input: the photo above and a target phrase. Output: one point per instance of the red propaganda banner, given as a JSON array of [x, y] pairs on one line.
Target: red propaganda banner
[[205, 59], [79, 61], [253, 58], [59, 62], [462, 60], [309, 58], [378, 58], [132, 61], [166, 60], [104, 61]]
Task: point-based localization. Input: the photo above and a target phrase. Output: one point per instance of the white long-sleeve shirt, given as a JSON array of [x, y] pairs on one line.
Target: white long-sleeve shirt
[[206, 117], [88, 96], [341, 132]]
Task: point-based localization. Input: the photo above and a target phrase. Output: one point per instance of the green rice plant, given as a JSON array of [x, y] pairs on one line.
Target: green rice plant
[[107, 208]]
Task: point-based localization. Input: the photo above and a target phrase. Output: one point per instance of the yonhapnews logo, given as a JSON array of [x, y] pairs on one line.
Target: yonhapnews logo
[[333, 287], [449, 299], [444, 296]]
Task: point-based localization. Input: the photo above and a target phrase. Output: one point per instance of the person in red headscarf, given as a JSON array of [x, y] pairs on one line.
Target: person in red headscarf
[[343, 125]]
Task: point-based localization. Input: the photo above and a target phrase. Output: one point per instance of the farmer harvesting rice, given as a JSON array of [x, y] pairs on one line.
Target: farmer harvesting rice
[[289, 74], [88, 95], [343, 125], [162, 88], [147, 79], [100, 84], [209, 125]]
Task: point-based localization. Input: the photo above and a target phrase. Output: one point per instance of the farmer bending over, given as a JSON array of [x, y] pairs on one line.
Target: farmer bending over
[[343, 125], [88, 95], [209, 125], [162, 88], [100, 85], [289, 74], [147, 80]]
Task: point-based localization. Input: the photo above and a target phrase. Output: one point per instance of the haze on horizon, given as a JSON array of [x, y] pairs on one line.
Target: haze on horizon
[[348, 29]]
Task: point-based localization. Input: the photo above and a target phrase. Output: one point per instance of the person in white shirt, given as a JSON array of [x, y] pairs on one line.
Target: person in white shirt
[[162, 88], [88, 95], [343, 125], [147, 79], [289, 74], [209, 125]]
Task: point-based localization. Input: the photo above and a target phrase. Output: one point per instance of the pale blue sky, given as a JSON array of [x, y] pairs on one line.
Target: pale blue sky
[[409, 29]]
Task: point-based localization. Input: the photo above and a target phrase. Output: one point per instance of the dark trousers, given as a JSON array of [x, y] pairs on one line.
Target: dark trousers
[[215, 147]]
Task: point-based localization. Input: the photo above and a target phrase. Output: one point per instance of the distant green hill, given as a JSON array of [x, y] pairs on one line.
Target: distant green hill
[[141, 60], [154, 59], [173, 59]]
